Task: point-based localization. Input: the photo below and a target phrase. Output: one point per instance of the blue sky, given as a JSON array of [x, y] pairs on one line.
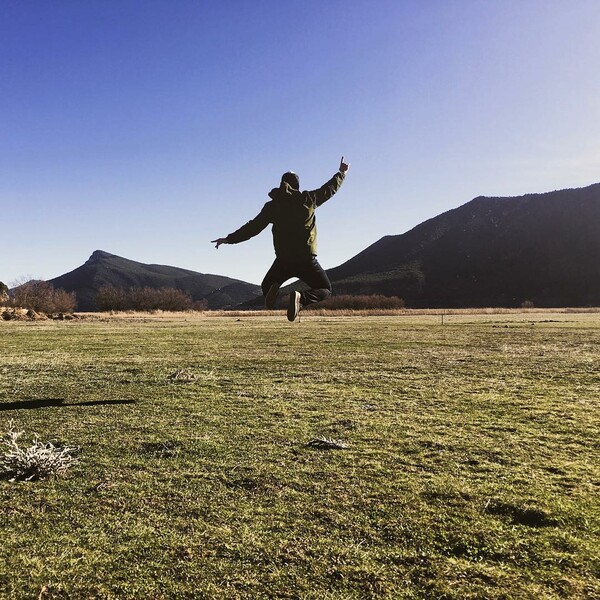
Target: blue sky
[[148, 128]]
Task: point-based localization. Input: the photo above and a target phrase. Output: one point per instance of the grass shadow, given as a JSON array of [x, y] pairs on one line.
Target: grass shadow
[[46, 402]]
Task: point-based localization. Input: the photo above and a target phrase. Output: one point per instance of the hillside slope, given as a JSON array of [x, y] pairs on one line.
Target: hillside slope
[[103, 268], [489, 252]]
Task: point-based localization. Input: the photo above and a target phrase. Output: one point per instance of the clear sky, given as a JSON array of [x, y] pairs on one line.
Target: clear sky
[[146, 128]]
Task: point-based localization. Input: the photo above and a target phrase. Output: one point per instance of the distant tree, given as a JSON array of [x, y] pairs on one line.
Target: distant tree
[[64, 302], [527, 304], [200, 305], [42, 297], [174, 299], [110, 297]]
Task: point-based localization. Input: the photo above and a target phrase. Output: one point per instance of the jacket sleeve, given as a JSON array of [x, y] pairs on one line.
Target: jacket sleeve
[[251, 228], [318, 197]]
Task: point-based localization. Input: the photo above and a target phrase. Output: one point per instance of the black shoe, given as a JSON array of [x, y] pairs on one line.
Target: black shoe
[[294, 306], [271, 297]]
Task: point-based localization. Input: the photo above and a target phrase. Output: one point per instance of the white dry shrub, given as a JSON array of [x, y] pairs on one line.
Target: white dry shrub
[[327, 443], [183, 375], [37, 461]]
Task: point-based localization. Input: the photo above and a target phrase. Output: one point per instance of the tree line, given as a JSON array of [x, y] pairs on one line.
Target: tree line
[[39, 296], [42, 297], [110, 297]]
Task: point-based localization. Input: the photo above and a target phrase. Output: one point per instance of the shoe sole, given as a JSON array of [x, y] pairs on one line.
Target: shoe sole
[[271, 297], [294, 306]]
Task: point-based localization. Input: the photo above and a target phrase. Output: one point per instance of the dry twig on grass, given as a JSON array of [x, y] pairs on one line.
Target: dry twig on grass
[[182, 375], [327, 444]]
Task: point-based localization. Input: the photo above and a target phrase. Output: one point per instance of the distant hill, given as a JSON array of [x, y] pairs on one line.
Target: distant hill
[[103, 268], [489, 252]]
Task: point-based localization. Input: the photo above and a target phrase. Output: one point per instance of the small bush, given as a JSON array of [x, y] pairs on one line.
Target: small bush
[[37, 461]]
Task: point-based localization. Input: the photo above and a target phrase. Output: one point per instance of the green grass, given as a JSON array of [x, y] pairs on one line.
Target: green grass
[[471, 470]]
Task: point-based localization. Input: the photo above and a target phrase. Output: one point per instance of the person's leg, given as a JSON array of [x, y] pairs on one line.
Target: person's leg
[[275, 276], [313, 274]]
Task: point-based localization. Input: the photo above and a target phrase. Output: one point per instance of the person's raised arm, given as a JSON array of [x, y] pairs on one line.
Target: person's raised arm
[[326, 191]]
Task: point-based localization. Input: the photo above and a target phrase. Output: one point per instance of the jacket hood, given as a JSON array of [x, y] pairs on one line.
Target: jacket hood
[[283, 192]]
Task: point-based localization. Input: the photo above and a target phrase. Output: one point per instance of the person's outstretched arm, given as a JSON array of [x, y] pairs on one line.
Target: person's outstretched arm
[[247, 231], [325, 192]]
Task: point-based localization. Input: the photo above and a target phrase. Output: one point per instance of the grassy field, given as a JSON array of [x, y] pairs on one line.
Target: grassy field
[[471, 468]]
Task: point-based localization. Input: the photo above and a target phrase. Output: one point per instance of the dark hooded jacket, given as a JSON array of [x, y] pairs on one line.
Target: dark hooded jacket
[[292, 214]]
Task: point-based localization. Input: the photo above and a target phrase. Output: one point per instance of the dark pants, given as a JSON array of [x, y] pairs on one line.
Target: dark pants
[[307, 270]]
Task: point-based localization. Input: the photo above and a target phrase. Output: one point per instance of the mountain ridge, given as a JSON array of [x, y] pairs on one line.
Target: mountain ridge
[[491, 251], [104, 268]]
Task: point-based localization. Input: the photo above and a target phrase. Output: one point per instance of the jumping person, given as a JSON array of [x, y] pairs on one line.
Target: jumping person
[[292, 214]]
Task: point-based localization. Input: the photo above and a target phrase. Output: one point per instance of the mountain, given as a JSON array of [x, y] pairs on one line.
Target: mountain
[[103, 268], [491, 251]]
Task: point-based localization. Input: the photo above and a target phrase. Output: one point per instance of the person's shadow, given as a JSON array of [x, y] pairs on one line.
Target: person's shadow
[[46, 402]]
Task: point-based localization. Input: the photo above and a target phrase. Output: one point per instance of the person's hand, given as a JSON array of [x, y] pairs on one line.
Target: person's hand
[[343, 166], [218, 242]]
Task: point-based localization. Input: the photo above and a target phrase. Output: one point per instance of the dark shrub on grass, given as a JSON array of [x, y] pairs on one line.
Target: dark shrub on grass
[[110, 297], [364, 302]]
